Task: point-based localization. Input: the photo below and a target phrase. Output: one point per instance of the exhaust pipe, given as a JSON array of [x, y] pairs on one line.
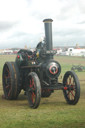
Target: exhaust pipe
[[48, 33]]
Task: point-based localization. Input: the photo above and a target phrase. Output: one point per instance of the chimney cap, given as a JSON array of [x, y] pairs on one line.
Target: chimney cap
[[47, 20]]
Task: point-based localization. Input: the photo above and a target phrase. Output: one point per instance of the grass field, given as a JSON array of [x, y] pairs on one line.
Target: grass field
[[53, 112]]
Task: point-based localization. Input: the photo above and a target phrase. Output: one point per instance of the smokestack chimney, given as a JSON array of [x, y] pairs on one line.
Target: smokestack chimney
[[48, 33]]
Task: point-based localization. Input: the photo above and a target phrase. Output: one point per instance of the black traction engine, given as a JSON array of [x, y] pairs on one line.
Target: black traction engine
[[37, 74]]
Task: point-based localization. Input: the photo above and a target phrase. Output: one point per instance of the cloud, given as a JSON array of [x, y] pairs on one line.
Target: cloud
[[21, 21], [82, 22], [81, 4], [4, 25], [70, 32]]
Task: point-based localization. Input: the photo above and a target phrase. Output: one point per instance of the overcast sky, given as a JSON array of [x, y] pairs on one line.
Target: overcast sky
[[21, 22]]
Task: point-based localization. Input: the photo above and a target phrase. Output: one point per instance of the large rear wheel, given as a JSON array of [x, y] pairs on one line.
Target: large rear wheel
[[10, 79], [33, 90], [72, 87]]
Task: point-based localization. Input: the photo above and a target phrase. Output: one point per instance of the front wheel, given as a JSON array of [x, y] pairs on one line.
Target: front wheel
[[33, 90], [71, 82]]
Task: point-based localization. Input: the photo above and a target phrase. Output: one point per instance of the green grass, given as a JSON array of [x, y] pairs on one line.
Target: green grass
[[53, 112]]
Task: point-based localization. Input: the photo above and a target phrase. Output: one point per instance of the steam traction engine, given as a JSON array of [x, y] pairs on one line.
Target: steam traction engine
[[37, 74]]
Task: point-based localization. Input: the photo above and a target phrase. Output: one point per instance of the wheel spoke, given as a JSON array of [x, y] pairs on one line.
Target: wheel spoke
[[69, 80], [6, 77], [33, 97], [67, 83], [72, 93], [8, 71], [68, 94], [9, 92], [32, 82], [7, 86]]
